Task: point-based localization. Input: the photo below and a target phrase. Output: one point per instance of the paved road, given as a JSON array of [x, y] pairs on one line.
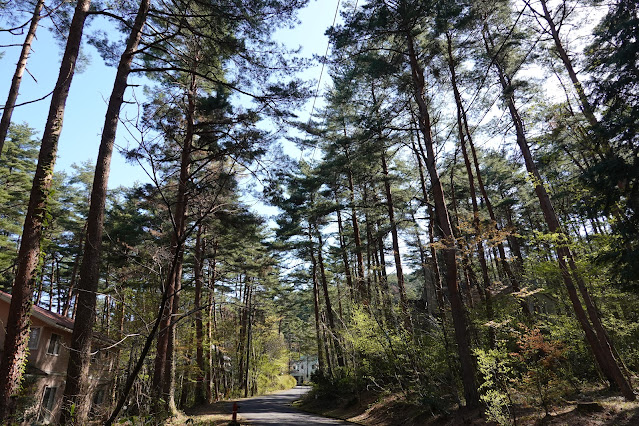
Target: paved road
[[276, 409]]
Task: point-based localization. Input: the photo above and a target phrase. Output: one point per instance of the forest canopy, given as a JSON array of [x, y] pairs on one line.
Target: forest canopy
[[457, 222]]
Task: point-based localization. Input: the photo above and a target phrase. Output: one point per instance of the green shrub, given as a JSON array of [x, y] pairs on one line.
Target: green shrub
[[495, 366]]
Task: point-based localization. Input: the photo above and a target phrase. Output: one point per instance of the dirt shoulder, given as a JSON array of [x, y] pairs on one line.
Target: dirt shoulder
[[215, 414], [597, 409]]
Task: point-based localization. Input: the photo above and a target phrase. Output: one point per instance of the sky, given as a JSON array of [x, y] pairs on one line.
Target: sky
[[91, 88]]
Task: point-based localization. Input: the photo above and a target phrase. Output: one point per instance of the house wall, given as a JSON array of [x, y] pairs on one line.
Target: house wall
[[36, 413], [39, 357], [303, 368], [55, 367], [49, 363], [4, 314]]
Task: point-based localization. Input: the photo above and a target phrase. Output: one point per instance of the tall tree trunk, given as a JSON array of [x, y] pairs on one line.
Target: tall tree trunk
[[316, 305], [329, 307], [395, 238], [71, 291], [327, 344], [17, 76], [162, 369], [359, 252], [76, 399], [249, 322], [503, 262], [185, 381], [212, 377], [513, 240], [473, 195], [147, 344], [241, 341], [469, 382], [342, 245], [439, 291], [200, 396], [586, 108], [390, 206], [169, 379], [383, 277], [18, 318], [589, 319], [51, 282], [59, 290], [428, 293], [439, 296]]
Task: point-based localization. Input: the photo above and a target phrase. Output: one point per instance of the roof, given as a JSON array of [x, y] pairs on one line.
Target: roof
[[54, 319], [50, 318]]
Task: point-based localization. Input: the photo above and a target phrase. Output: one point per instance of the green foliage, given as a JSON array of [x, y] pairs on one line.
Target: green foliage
[[344, 383], [17, 168], [542, 362], [270, 362], [614, 177], [257, 303], [495, 367], [392, 359], [527, 366]]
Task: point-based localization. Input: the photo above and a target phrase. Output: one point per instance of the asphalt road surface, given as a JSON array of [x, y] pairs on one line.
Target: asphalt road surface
[[276, 409]]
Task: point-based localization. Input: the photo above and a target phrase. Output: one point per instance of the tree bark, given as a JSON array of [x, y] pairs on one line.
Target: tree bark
[[359, 255], [14, 90], [77, 398], [74, 273], [434, 264], [469, 382], [465, 136], [588, 319], [249, 322], [329, 306], [342, 246], [18, 319], [320, 358], [473, 195], [586, 108], [395, 238], [212, 378], [428, 296], [147, 344], [387, 304], [200, 396], [390, 206], [162, 368]]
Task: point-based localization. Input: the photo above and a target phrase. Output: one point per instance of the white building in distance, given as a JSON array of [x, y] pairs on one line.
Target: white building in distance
[[303, 368]]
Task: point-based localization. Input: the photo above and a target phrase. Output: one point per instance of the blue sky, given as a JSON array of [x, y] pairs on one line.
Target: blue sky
[[90, 90]]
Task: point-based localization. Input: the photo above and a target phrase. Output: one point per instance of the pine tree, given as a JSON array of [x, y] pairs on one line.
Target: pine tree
[[17, 167], [612, 59], [17, 76], [76, 403], [17, 326]]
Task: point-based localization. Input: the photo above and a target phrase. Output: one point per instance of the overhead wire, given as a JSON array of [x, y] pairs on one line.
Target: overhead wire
[[319, 81]]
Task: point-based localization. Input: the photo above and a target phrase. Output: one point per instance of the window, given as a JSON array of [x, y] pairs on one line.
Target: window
[[54, 344], [34, 337], [48, 401]]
